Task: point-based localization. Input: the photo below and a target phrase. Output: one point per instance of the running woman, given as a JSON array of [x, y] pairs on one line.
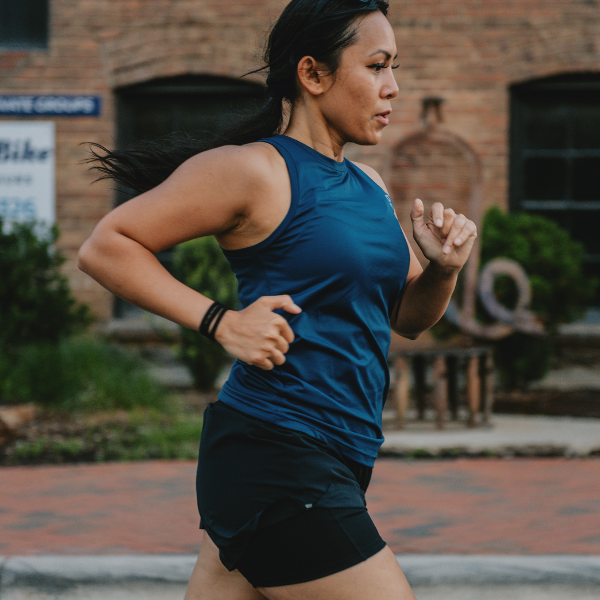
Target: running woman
[[325, 273]]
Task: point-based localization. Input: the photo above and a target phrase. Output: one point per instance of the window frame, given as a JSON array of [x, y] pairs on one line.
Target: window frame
[[196, 87], [569, 93], [24, 39]]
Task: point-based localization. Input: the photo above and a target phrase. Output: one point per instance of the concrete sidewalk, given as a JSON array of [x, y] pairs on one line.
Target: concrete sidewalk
[[433, 577], [518, 435]]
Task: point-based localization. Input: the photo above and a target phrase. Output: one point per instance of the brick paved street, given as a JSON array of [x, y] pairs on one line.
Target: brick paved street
[[472, 506]]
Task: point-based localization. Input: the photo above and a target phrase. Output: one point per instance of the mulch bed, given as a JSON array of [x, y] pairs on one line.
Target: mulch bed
[[65, 438], [55, 431]]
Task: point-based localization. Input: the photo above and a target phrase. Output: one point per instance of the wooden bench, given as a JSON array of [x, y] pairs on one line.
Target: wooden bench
[[446, 365]]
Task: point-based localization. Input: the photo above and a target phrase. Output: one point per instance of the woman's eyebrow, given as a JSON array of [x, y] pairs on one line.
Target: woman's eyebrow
[[387, 54]]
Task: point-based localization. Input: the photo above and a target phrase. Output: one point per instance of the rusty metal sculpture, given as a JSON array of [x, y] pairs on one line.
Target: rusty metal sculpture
[[520, 318]]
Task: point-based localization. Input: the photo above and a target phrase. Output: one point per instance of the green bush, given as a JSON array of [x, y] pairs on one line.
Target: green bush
[[551, 259], [560, 290], [36, 304], [79, 375], [201, 265]]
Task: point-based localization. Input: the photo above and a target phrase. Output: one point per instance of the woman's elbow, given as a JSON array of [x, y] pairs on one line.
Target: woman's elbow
[[84, 256], [407, 331], [91, 254], [409, 335]]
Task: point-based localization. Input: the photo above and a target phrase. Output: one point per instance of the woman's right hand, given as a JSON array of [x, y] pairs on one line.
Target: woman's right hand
[[256, 335]]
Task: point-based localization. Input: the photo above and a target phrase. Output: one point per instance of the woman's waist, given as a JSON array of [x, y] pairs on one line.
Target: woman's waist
[[292, 432]]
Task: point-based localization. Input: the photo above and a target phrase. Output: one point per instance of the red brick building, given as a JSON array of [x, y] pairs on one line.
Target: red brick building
[[520, 81]]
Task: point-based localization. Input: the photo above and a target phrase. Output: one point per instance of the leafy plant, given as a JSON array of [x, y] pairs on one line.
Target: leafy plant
[[551, 259], [201, 265], [36, 304], [82, 374], [560, 290]]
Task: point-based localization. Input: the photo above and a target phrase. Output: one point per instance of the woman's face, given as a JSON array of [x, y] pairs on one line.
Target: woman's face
[[357, 103]]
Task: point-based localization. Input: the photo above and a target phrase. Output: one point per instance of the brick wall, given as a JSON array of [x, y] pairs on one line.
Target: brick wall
[[468, 51]]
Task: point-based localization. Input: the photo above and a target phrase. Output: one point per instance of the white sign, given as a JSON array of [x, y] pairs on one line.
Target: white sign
[[27, 171]]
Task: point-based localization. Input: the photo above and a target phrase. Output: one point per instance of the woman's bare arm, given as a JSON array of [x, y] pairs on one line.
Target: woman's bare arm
[[230, 192], [446, 239]]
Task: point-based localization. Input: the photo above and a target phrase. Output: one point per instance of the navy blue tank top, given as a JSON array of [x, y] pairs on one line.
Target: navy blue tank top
[[342, 257]]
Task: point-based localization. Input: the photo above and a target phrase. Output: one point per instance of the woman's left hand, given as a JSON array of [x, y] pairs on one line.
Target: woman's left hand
[[445, 238]]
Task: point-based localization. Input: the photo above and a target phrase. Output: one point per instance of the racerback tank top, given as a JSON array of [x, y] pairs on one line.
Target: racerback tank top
[[341, 255]]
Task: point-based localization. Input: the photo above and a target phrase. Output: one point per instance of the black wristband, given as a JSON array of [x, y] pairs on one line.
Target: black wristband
[[216, 322], [211, 319], [209, 315]]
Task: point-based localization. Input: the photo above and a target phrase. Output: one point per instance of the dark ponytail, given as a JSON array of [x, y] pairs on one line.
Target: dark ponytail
[[318, 28]]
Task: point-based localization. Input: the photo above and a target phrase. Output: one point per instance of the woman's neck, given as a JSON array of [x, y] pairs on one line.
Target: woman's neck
[[308, 126]]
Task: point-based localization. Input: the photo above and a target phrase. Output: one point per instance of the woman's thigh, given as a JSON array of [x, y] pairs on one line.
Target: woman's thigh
[[379, 577], [210, 580]]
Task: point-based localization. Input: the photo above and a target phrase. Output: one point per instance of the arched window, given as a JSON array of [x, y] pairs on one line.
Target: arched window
[[188, 103], [555, 156]]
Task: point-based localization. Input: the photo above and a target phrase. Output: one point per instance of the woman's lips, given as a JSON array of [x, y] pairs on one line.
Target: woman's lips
[[383, 118]]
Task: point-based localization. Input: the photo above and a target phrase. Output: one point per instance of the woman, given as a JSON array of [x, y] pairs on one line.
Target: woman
[[324, 271]]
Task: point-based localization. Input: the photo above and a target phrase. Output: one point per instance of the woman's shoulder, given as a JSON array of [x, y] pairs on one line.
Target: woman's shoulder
[[252, 161], [248, 185], [372, 173]]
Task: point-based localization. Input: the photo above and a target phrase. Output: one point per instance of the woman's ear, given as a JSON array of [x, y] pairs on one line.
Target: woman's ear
[[313, 76]]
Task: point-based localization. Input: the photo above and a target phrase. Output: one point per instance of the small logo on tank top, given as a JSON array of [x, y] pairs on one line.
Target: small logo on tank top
[[391, 203]]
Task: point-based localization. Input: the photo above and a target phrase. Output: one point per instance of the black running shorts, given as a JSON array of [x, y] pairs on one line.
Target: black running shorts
[[281, 506]]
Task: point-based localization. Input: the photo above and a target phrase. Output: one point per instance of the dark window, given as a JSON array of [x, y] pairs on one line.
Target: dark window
[[555, 156], [191, 104], [23, 24]]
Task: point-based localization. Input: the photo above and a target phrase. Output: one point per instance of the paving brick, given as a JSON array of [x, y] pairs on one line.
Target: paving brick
[[470, 506]]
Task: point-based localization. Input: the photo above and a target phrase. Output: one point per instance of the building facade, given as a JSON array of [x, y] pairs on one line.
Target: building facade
[[519, 79]]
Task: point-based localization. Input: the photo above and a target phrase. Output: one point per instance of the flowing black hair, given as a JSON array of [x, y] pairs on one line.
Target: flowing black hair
[[318, 28]]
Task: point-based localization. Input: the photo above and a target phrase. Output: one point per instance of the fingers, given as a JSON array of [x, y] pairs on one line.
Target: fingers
[[418, 210], [438, 214], [286, 332], [285, 302], [462, 229], [285, 335], [263, 337], [442, 231], [272, 353]]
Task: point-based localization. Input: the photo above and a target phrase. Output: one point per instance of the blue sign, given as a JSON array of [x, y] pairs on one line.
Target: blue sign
[[50, 106]]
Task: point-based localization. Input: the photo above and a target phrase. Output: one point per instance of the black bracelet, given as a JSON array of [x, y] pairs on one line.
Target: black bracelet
[[211, 319], [209, 315]]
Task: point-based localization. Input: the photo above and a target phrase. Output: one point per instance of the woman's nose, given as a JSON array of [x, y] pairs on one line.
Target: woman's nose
[[391, 88]]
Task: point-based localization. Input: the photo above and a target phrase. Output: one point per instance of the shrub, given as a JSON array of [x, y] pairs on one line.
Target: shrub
[[79, 375], [560, 290], [551, 259], [36, 304], [201, 265]]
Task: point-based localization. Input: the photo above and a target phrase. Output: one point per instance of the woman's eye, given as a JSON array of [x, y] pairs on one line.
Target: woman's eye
[[377, 67]]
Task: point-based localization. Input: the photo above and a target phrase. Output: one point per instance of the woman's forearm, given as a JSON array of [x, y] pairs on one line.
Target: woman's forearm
[[424, 301], [133, 273]]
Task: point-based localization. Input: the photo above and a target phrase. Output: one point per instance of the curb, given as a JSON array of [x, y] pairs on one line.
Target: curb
[[59, 574], [506, 435], [464, 569]]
